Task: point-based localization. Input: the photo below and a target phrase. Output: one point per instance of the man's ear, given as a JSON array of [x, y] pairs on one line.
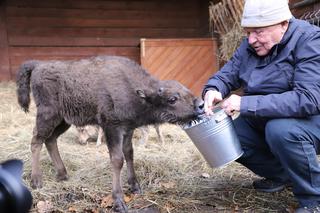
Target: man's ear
[[285, 25], [141, 93]]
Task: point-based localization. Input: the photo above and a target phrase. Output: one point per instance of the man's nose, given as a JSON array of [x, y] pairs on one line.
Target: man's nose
[[252, 38]]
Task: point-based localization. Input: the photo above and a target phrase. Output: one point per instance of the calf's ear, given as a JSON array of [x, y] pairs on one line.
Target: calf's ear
[[141, 93], [148, 96], [160, 91]]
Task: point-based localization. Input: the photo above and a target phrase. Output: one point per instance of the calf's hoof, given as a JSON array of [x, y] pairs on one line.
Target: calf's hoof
[[61, 177], [120, 206], [135, 188], [36, 181]]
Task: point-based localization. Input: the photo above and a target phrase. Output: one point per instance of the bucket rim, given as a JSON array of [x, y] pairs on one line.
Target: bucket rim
[[218, 116]]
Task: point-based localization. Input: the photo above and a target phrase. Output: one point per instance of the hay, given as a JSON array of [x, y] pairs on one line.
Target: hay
[[173, 177], [230, 42], [225, 20]]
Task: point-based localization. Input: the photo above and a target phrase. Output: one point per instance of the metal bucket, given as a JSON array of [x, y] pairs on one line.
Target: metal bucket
[[215, 138]]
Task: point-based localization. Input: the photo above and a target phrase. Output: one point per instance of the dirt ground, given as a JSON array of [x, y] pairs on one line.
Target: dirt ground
[[174, 177]]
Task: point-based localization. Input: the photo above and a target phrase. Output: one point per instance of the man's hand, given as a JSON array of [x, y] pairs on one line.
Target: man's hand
[[211, 98], [231, 104]]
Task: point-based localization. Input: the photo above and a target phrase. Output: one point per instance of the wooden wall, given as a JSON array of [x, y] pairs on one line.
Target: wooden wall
[[71, 29], [4, 48], [189, 61]]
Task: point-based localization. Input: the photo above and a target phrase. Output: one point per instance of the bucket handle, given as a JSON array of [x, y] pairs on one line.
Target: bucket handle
[[220, 116]]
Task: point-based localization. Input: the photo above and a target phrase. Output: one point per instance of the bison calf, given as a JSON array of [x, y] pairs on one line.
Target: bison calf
[[112, 92]]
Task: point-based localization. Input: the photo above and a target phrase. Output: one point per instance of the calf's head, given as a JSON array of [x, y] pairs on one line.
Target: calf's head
[[172, 102]]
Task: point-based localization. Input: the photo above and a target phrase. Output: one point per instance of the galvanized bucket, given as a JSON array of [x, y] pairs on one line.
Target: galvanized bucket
[[215, 138]]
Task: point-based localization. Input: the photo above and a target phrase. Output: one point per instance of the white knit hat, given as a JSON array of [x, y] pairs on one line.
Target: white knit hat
[[262, 13]]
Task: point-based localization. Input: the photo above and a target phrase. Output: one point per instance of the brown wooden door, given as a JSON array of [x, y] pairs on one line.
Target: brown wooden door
[[189, 61]]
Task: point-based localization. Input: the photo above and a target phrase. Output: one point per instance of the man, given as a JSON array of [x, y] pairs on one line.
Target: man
[[278, 67]]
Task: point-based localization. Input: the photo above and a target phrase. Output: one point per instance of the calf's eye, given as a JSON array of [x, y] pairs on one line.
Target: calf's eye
[[172, 100]]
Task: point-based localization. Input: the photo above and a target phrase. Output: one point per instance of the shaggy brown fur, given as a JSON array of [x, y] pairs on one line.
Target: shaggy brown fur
[[112, 92]]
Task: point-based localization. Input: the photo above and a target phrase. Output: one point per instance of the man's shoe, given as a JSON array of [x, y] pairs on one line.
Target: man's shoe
[[313, 209], [267, 185]]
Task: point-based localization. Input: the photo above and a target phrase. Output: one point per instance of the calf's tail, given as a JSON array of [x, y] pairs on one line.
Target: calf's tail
[[23, 84]]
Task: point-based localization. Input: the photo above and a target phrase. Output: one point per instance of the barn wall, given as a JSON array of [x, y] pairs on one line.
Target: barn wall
[[190, 61], [71, 29], [4, 48]]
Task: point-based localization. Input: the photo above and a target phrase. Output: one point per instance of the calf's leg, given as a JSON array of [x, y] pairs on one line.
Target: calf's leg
[[128, 154], [114, 139], [144, 135], [51, 145], [36, 175], [46, 122], [100, 136], [159, 133]]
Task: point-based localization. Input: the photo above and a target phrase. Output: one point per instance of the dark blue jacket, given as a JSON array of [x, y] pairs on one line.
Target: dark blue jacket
[[285, 83]]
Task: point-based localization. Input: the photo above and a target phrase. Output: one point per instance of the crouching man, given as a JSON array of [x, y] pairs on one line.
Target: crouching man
[[278, 66]]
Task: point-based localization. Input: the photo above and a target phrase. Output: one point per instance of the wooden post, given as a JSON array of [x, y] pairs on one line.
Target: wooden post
[[5, 73]]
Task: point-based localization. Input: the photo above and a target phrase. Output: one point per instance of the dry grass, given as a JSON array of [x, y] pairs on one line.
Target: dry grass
[[230, 42], [170, 175], [225, 20]]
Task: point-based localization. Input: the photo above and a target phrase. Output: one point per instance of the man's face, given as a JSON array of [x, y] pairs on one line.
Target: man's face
[[262, 39]]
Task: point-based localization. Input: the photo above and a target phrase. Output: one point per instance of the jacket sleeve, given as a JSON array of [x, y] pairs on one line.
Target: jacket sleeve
[[227, 78], [304, 98]]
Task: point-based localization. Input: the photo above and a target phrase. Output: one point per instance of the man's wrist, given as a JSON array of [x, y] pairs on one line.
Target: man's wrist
[[207, 89]]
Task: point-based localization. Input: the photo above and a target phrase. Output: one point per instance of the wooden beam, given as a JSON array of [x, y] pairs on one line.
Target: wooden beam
[[4, 48], [59, 41]]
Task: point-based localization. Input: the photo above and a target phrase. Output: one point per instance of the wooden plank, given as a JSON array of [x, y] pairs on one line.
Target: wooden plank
[[17, 61], [29, 22], [105, 32], [176, 42], [59, 41], [140, 13], [4, 48], [20, 54], [71, 51], [96, 4], [203, 17]]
